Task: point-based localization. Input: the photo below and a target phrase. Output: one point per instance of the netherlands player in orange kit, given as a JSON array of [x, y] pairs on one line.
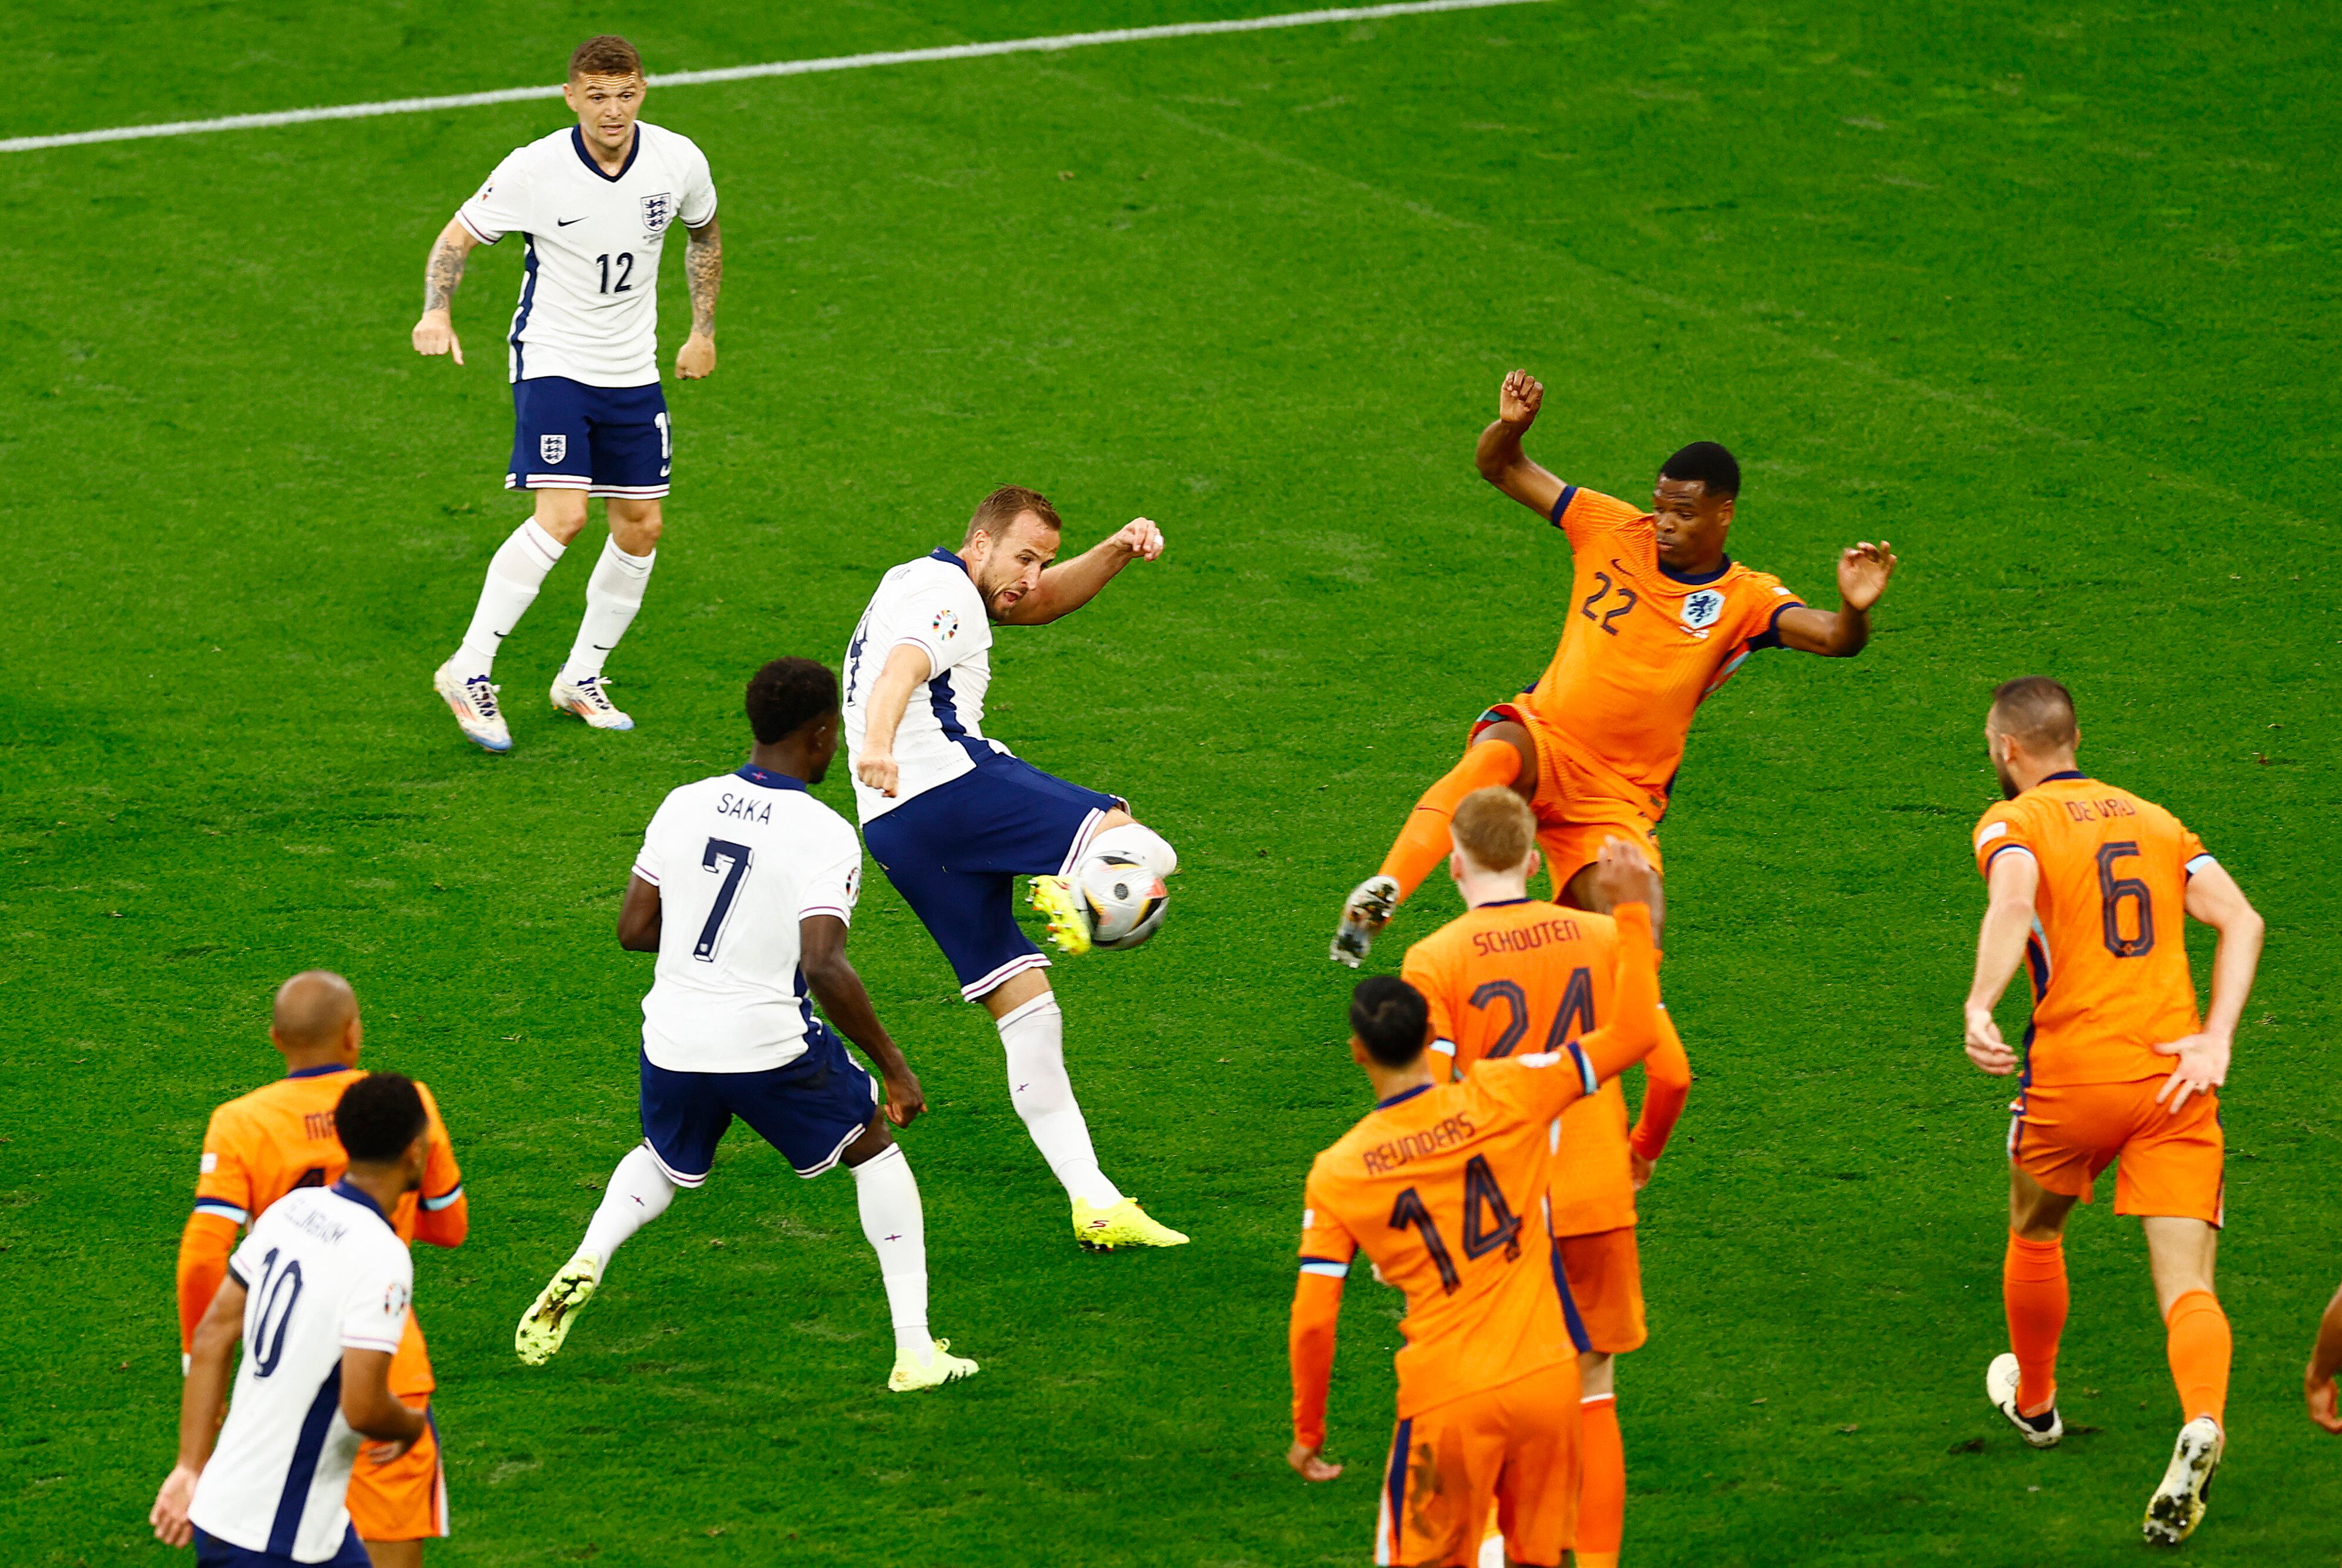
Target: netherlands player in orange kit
[[1439, 1187], [280, 1137], [1658, 617], [1515, 974], [2091, 886]]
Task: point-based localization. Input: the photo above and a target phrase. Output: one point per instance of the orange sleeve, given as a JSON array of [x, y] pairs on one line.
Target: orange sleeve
[[1423, 971], [1668, 1071], [442, 1217], [1316, 1308], [204, 1249], [1632, 1033], [2003, 828], [1584, 513], [224, 1177]]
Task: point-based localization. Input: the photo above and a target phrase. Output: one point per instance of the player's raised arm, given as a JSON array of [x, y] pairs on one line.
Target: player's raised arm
[[1863, 571], [1631, 884], [2000, 947], [844, 1002], [1067, 585], [443, 274], [703, 270], [202, 1397], [2214, 898], [1499, 456]]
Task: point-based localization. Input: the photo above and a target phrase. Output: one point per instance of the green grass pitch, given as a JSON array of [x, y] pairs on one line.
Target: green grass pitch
[[2044, 291]]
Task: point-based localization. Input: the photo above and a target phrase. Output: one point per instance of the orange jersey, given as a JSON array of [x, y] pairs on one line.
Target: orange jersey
[[261, 1145], [1439, 1187], [2108, 951], [1507, 978], [1643, 649]]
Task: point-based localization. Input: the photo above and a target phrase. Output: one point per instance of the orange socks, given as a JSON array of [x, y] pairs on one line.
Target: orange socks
[[1602, 1485], [2198, 1347], [2033, 1290], [1425, 840]]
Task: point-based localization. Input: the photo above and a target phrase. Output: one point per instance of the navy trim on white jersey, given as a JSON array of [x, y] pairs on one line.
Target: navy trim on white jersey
[[578, 140], [295, 1501], [768, 778], [528, 299]]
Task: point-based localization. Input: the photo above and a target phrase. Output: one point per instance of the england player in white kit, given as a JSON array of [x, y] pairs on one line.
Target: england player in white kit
[[743, 888], [953, 817], [317, 1295], [592, 205]]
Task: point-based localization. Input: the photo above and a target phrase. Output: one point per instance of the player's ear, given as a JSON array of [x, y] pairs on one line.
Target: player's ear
[[1358, 1051], [1530, 866]]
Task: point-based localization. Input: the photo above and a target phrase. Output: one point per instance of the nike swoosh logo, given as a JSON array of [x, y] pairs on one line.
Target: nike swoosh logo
[[565, 223]]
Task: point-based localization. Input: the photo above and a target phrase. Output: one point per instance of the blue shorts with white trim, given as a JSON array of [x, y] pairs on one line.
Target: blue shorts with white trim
[[211, 1551], [809, 1110], [603, 440], [955, 851]]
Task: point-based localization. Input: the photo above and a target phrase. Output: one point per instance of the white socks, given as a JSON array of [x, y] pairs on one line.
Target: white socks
[[638, 1194], [897, 1229], [613, 593], [1035, 1038], [1142, 843], [513, 577]]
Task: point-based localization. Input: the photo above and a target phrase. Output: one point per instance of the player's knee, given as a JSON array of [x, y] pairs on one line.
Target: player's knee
[[1139, 842], [636, 526]]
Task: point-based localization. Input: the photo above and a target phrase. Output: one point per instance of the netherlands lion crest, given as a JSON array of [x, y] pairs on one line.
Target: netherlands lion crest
[[1701, 609], [658, 211], [553, 448]]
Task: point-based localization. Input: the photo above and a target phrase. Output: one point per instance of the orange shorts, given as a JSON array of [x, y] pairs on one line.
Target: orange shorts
[[1580, 803], [2062, 1135], [1513, 1447], [1605, 1273], [405, 1499]]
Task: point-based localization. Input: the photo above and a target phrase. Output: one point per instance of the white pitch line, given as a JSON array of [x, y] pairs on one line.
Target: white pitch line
[[771, 68]]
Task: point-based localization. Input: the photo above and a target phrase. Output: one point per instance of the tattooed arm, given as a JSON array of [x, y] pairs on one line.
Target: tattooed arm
[[703, 266], [436, 333]]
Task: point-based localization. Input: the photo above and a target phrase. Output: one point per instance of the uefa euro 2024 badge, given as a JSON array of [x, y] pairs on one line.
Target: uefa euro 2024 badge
[[946, 626], [1700, 611]]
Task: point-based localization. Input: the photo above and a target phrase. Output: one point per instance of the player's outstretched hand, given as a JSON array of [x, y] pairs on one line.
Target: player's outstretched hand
[[879, 772], [2202, 1067], [1863, 571], [1518, 401], [905, 1098], [1624, 875], [1140, 537], [1985, 1048], [1307, 1462], [169, 1514], [696, 358], [436, 334], [2322, 1404]]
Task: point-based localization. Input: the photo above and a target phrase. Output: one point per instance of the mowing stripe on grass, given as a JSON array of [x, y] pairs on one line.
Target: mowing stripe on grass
[[770, 68]]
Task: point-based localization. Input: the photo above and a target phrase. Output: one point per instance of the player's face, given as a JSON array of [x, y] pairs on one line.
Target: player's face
[[1013, 565], [606, 107], [1691, 523]]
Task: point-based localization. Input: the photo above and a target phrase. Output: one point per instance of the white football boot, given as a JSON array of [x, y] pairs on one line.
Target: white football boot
[[473, 700], [2000, 1380], [1367, 912], [2177, 1505], [584, 697]]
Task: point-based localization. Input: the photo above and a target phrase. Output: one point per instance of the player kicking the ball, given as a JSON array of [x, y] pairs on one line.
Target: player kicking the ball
[[743, 888], [2094, 887], [1658, 617], [952, 817], [591, 204]]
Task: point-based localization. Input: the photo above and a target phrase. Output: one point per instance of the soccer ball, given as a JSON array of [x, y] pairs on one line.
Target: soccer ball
[[1124, 900]]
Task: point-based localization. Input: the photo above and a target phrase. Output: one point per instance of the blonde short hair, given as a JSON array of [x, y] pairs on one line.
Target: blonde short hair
[[1495, 828]]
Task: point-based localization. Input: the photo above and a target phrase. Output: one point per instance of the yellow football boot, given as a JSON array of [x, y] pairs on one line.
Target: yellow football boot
[[546, 1323], [1069, 923], [1125, 1225], [940, 1369]]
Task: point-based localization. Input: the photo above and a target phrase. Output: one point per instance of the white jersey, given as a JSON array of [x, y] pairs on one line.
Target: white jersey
[[932, 605], [323, 1271], [738, 860], [589, 283]]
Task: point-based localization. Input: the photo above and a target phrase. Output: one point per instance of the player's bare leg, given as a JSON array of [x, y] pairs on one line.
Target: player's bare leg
[[1504, 754], [2022, 1381], [1033, 1035], [613, 594], [1116, 834], [465, 683], [2181, 1250]]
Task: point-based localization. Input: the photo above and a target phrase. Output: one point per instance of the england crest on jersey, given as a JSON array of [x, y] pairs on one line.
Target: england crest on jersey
[[553, 448], [1701, 609], [658, 211]]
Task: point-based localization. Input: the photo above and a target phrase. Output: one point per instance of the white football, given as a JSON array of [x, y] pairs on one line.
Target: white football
[[1124, 900]]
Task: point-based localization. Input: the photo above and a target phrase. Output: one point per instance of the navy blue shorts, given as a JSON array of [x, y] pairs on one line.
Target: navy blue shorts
[[211, 1551], [809, 1110], [955, 852], [603, 440]]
